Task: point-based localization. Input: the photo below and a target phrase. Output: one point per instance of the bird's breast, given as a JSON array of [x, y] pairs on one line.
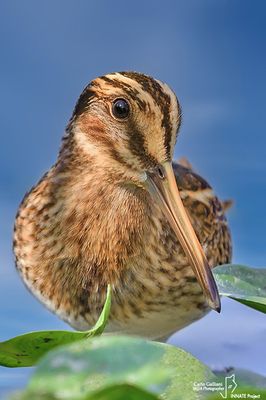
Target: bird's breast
[[70, 244]]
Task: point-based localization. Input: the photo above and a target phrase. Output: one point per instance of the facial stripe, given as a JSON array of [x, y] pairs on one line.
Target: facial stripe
[[157, 102], [137, 146], [92, 144], [162, 98], [84, 100], [175, 115], [128, 89]]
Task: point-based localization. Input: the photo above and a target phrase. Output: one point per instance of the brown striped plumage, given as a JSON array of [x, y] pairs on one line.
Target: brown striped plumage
[[90, 221]]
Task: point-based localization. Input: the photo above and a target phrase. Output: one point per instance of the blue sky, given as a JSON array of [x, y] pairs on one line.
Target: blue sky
[[211, 53]]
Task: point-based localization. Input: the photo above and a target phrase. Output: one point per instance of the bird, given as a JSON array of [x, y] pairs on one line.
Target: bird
[[115, 209]]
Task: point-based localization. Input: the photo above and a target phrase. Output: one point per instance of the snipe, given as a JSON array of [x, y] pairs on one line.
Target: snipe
[[115, 209]]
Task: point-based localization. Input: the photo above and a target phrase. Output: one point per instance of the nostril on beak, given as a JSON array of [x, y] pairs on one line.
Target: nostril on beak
[[160, 172]]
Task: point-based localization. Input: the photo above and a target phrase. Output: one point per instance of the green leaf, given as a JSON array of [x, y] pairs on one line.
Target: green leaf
[[244, 284], [122, 392], [25, 350], [115, 392], [78, 370]]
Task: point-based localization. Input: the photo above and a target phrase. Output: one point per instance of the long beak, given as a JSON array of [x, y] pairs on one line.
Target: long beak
[[162, 186]]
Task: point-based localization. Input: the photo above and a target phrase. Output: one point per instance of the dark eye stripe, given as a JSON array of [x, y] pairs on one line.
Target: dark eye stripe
[[84, 101], [161, 98], [130, 91]]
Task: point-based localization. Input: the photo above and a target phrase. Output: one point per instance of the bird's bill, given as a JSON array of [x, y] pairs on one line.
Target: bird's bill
[[165, 191]]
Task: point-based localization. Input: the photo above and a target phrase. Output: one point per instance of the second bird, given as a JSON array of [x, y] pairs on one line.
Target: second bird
[[115, 210]]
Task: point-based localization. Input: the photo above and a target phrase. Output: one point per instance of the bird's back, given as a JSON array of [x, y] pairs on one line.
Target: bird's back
[[207, 211]]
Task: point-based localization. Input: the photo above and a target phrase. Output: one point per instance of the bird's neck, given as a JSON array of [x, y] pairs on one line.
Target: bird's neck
[[104, 219]]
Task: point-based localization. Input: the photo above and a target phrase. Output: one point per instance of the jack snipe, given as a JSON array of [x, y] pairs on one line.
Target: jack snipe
[[114, 209]]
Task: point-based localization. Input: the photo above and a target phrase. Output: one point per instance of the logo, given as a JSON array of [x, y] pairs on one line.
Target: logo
[[225, 388], [230, 386]]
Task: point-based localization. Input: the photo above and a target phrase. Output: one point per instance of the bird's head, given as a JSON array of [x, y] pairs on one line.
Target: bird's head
[[128, 123], [129, 120]]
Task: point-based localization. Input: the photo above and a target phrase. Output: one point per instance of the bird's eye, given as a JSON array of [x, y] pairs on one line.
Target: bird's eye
[[120, 108]]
